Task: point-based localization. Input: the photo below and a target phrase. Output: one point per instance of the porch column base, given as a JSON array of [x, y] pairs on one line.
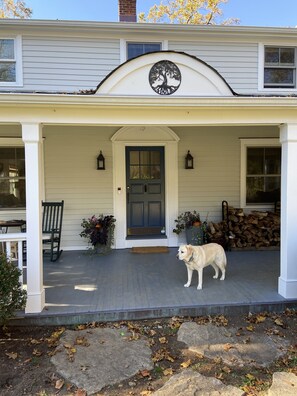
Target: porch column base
[[287, 288], [35, 302]]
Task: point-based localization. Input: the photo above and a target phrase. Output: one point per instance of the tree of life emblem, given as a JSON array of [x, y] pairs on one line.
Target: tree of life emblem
[[165, 77]]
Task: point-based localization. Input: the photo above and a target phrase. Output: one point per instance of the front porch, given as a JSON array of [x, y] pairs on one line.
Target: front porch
[[81, 287]]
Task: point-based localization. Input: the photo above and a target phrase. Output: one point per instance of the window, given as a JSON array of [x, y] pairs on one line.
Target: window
[[261, 172], [12, 177], [10, 64], [279, 67], [136, 49]]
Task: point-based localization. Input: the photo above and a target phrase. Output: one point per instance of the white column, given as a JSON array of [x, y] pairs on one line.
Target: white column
[[32, 137], [287, 283]]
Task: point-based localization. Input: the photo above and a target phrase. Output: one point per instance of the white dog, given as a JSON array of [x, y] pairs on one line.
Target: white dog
[[198, 257]]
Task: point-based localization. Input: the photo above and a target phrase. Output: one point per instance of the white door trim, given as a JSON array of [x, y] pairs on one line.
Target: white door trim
[[145, 136]]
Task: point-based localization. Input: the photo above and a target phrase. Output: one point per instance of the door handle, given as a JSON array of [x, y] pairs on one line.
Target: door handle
[[145, 188]]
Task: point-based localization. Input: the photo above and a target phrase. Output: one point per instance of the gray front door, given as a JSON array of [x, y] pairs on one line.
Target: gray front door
[[145, 183]]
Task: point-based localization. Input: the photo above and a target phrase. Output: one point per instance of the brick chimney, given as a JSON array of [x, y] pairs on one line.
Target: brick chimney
[[127, 10]]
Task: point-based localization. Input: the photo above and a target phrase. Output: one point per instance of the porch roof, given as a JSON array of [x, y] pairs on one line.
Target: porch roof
[[81, 287]]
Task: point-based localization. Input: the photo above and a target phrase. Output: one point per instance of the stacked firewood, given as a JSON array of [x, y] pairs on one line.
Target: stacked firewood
[[254, 230]]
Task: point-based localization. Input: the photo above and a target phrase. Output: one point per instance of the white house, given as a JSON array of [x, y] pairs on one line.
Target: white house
[[144, 95]]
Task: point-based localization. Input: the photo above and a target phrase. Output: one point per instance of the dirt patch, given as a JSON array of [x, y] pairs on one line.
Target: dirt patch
[[25, 352]]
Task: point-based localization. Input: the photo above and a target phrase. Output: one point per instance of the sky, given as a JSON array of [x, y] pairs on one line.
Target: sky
[[250, 12]]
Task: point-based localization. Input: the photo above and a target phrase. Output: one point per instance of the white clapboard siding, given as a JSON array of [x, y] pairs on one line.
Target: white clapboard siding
[[236, 62], [72, 175], [67, 64], [216, 173]]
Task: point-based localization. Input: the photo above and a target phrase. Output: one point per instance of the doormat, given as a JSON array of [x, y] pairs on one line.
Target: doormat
[[150, 249]]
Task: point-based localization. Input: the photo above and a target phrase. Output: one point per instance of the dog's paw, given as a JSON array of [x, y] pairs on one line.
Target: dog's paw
[[187, 285], [222, 277], [199, 287], [215, 276]]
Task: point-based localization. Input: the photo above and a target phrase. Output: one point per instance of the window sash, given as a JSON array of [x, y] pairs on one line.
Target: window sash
[[7, 50], [279, 67], [263, 175], [7, 71], [135, 49], [12, 177]]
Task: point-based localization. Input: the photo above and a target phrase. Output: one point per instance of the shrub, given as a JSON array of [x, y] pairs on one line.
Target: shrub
[[12, 296]]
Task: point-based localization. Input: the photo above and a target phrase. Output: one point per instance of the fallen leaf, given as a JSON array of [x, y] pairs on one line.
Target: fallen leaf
[[36, 352], [81, 327], [145, 393], [145, 373], [82, 341], [80, 392], [250, 328], [260, 319], [11, 355], [279, 322], [250, 377], [227, 347], [163, 340], [59, 384], [35, 342], [67, 345], [186, 364], [226, 369], [168, 371]]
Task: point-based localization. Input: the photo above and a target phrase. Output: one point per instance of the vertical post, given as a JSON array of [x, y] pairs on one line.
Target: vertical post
[[32, 137], [287, 284]]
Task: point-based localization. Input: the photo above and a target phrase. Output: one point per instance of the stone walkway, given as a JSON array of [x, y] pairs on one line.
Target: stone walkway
[[95, 358]]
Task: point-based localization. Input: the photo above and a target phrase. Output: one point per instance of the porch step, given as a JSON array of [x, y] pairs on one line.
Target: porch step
[[45, 319]]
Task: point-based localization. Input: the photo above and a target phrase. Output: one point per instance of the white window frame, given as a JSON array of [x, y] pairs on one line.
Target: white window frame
[[261, 67], [245, 143], [18, 62], [124, 42]]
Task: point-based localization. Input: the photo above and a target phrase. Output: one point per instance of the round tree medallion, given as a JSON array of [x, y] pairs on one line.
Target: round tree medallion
[[165, 77]]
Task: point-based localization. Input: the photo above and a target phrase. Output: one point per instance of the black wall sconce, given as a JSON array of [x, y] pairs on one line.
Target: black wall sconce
[[100, 161], [189, 161]]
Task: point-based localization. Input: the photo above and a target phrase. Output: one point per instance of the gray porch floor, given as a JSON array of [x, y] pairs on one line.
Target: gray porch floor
[[81, 287]]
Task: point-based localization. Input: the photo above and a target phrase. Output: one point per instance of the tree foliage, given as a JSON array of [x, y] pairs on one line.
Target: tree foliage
[[195, 12], [14, 9]]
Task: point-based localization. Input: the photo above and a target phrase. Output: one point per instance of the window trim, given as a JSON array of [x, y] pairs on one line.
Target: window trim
[[261, 67], [124, 42], [18, 62], [245, 143]]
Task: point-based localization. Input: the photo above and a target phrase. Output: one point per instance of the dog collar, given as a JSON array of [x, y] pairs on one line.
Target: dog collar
[[191, 258]]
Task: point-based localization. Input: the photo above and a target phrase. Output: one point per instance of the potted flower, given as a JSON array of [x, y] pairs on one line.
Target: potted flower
[[190, 222], [99, 230]]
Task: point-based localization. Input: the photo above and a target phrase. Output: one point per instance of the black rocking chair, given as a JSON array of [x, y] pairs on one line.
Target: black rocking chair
[[52, 226]]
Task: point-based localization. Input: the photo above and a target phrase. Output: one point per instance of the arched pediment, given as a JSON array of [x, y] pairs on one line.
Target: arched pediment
[[145, 134], [186, 76]]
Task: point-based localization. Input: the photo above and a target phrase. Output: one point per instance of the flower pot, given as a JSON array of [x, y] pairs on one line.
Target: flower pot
[[194, 235]]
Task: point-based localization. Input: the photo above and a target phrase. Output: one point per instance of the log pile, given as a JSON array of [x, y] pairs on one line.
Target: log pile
[[254, 230]]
